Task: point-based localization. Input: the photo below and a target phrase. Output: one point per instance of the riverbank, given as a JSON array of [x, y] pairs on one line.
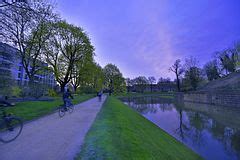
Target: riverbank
[[121, 133], [217, 97], [160, 94], [34, 109]]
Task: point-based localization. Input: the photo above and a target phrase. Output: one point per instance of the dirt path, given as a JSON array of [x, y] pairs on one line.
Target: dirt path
[[52, 137]]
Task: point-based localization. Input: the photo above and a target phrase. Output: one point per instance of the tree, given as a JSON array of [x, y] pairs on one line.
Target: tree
[[151, 80], [164, 80], [211, 70], [141, 82], [98, 77], [193, 77], [26, 26], [114, 79], [228, 60], [128, 83], [83, 68], [66, 47], [92, 78], [237, 53], [178, 70], [192, 72]]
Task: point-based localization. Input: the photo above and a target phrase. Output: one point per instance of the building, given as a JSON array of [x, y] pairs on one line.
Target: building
[[17, 70]]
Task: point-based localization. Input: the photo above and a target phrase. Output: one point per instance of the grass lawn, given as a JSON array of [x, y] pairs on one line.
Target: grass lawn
[[34, 109], [121, 133]]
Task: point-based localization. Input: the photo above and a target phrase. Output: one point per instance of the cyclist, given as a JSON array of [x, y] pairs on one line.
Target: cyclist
[[100, 95], [66, 98]]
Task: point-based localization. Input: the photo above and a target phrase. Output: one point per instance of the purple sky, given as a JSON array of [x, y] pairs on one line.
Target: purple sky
[[144, 37]]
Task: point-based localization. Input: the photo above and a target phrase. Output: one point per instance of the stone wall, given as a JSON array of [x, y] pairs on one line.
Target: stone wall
[[222, 98]]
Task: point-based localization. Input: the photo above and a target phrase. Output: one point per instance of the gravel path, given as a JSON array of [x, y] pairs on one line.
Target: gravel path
[[52, 137]]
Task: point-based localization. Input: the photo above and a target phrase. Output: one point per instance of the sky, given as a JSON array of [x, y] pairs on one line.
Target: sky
[[145, 37]]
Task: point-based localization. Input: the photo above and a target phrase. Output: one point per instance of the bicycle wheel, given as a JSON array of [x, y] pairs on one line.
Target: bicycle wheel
[[10, 129], [61, 111], [70, 109]]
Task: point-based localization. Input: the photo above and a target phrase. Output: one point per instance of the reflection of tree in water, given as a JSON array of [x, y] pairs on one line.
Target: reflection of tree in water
[[198, 123], [182, 129], [217, 130], [166, 107], [229, 137], [195, 122], [148, 104], [144, 109], [147, 100], [236, 142], [152, 108], [225, 135]]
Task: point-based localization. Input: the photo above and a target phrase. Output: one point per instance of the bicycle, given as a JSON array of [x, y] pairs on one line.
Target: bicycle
[[10, 126], [69, 107]]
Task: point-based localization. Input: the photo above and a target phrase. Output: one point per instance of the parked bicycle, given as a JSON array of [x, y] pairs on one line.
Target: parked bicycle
[[10, 125], [69, 107]]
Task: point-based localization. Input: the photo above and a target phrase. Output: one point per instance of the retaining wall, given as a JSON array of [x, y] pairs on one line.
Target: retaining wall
[[222, 98]]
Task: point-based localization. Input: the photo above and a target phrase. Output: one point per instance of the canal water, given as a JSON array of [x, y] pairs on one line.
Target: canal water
[[211, 131]]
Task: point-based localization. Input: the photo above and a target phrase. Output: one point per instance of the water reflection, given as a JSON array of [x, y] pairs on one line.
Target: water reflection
[[211, 131]]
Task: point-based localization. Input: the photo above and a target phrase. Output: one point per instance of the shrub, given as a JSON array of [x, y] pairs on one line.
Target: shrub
[[52, 93], [16, 91]]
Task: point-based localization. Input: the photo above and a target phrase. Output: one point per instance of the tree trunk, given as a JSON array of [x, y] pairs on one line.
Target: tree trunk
[[75, 88], [62, 87], [178, 84]]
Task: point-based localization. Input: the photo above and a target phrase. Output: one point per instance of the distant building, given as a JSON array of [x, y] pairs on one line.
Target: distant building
[[18, 72]]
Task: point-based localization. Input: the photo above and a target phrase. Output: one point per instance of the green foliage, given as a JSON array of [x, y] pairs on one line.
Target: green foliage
[[193, 77], [120, 133], [114, 80], [91, 77], [16, 91], [228, 60], [212, 71], [193, 74], [141, 82], [52, 93], [86, 90], [66, 48]]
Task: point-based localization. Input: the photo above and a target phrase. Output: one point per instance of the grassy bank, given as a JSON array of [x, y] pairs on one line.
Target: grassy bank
[[120, 133], [34, 109], [160, 94]]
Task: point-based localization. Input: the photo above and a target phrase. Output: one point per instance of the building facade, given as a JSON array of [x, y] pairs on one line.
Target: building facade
[[17, 70]]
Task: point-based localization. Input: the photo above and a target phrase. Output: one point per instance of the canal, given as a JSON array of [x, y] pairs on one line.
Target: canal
[[211, 131]]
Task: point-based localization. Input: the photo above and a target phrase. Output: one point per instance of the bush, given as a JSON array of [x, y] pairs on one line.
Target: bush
[[52, 93], [86, 89], [16, 91], [24, 92]]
